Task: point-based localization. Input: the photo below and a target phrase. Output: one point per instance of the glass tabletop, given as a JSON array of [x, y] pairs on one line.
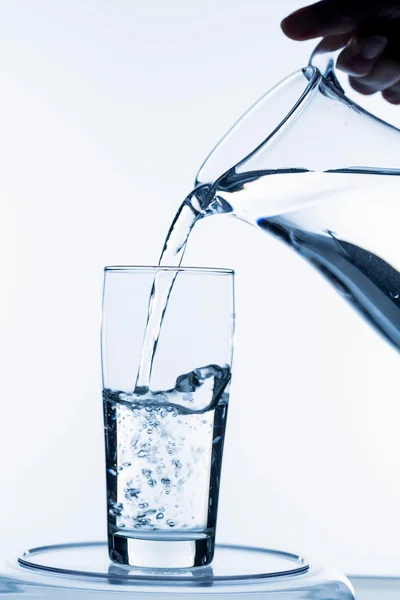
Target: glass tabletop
[[83, 570], [231, 564]]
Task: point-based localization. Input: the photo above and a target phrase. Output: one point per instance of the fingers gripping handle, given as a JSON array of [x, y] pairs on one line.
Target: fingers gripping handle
[[324, 60]]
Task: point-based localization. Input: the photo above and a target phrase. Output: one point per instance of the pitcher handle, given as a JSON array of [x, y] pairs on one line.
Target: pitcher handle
[[324, 60]]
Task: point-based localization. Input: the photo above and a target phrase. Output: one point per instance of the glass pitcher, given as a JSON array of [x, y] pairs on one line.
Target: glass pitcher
[[320, 173]]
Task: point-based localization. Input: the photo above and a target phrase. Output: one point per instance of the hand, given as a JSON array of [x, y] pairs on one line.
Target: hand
[[369, 32]]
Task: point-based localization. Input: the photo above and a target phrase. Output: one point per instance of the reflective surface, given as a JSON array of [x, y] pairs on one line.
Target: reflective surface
[[75, 571]]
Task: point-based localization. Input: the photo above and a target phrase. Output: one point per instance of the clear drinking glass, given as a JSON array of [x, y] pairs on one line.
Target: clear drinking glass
[[164, 444]]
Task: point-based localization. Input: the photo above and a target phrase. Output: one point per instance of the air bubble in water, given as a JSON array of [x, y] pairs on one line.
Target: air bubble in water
[[160, 516], [132, 492], [171, 523]]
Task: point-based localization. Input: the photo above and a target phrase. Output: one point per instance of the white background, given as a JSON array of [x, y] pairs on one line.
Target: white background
[[107, 109]]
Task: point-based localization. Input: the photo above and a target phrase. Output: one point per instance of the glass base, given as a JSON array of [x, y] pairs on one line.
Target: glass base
[[77, 571], [165, 553]]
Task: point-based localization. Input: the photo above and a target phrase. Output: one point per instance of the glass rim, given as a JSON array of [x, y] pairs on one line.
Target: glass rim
[[160, 268]]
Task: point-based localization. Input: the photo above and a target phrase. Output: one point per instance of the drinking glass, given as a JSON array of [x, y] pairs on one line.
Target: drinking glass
[[164, 442]]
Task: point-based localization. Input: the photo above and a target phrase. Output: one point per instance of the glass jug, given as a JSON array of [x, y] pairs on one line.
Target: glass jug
[[320, 173]]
